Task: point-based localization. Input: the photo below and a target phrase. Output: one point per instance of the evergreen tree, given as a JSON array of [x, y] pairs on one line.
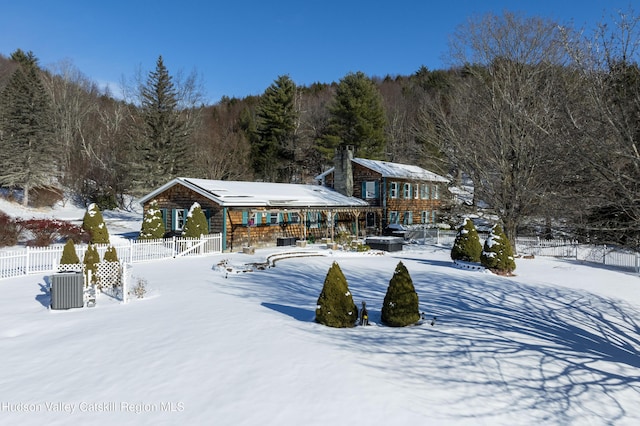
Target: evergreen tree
[[272, 152], [152, 224], [163, 149], [467, 244], [28, 155], [111, 255], [94, 224], [400, 306], [196, 223], [69, 255], [497, 254], [357, 118], [335, 306], [91, 260]]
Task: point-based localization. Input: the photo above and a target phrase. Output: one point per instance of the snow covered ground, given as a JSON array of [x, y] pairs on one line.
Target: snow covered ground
[[557, 344]]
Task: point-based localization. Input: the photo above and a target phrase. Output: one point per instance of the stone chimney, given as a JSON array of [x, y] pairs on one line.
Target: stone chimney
[[343, 173]]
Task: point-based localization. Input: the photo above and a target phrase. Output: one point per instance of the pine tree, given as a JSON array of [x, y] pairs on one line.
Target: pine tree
[[272, 152], [91, 260], [467, 246], [335, 306], [497, 254], [69, 255], [400, 306], [152, 224], [111, 255], [357, 118], [196, 223], [28, 155], [163, 149], [94, 224]]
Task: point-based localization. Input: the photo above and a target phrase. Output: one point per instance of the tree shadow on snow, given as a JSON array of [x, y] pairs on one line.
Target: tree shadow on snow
[[500, 347], [541, 351], [299, 314]]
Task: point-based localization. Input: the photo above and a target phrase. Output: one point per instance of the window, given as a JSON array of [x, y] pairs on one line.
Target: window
[[370, 191], [393, 217], [273, 218], [425, 192], [416, 191], [407, 191], [371, 219], [294, 218], [425, 216], [408, 218], [393, 193], [179, 218], [434, 194]]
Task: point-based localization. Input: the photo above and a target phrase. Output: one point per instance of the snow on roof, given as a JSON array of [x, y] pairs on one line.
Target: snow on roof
[[401, 171], [263, 194], [393, 170]]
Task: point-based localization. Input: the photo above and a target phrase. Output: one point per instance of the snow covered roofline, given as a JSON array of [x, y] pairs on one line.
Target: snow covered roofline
[[262, 194], [393, 170]]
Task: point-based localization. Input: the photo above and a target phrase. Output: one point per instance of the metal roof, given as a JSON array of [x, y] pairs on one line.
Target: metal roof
[[262, 194]]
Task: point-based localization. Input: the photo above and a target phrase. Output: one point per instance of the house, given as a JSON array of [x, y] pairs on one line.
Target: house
[[258, 213], [397, 193]]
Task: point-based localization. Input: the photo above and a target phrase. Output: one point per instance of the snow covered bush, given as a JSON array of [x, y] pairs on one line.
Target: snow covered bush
[[467, 246], [196, 224], [111, 255], [400, 306], [94, 224], [497, 254], [152, 224], [69, 255], [335, 306], [91, 260]]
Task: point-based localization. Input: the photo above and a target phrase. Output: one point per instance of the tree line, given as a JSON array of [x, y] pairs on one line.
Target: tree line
[[544, 119]]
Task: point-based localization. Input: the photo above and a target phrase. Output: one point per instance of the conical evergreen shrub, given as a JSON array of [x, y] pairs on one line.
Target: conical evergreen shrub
[[400, 306], [91, 260], [110, 255], [196, 224], [335, 305], [497, 254], [69, 255], [152, 224], [94, 224], [467, 246]]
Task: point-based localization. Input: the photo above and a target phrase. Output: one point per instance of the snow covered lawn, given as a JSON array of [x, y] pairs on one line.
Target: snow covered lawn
[[557, 344]]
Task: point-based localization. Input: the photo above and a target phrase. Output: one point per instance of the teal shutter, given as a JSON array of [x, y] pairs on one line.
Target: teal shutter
[[245, 217]]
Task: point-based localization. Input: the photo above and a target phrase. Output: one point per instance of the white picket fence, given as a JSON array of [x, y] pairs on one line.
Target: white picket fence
[[592, 253], [35, 260]]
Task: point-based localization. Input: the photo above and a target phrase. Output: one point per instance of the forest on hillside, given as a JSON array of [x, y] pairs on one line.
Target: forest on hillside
[[544, 119]]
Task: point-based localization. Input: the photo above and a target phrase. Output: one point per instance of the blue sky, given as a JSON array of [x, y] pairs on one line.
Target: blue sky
[[238, 48]]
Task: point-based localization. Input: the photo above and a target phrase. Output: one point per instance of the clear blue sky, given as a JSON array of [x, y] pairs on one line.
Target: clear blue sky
[[240, 47]]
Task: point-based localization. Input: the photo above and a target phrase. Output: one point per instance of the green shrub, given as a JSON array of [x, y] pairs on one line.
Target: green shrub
[[69, 255], [335, 306], [152, 224], [467, 246], [91, 260], [497, 254], [196, 224], [94, 224], [400, 306], [110, 255]]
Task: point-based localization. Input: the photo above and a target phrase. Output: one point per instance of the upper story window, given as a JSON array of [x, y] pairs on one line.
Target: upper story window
[[416, 191], [369, 190], [435, 192], [393, 192], [407, 191], [424, 194]]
